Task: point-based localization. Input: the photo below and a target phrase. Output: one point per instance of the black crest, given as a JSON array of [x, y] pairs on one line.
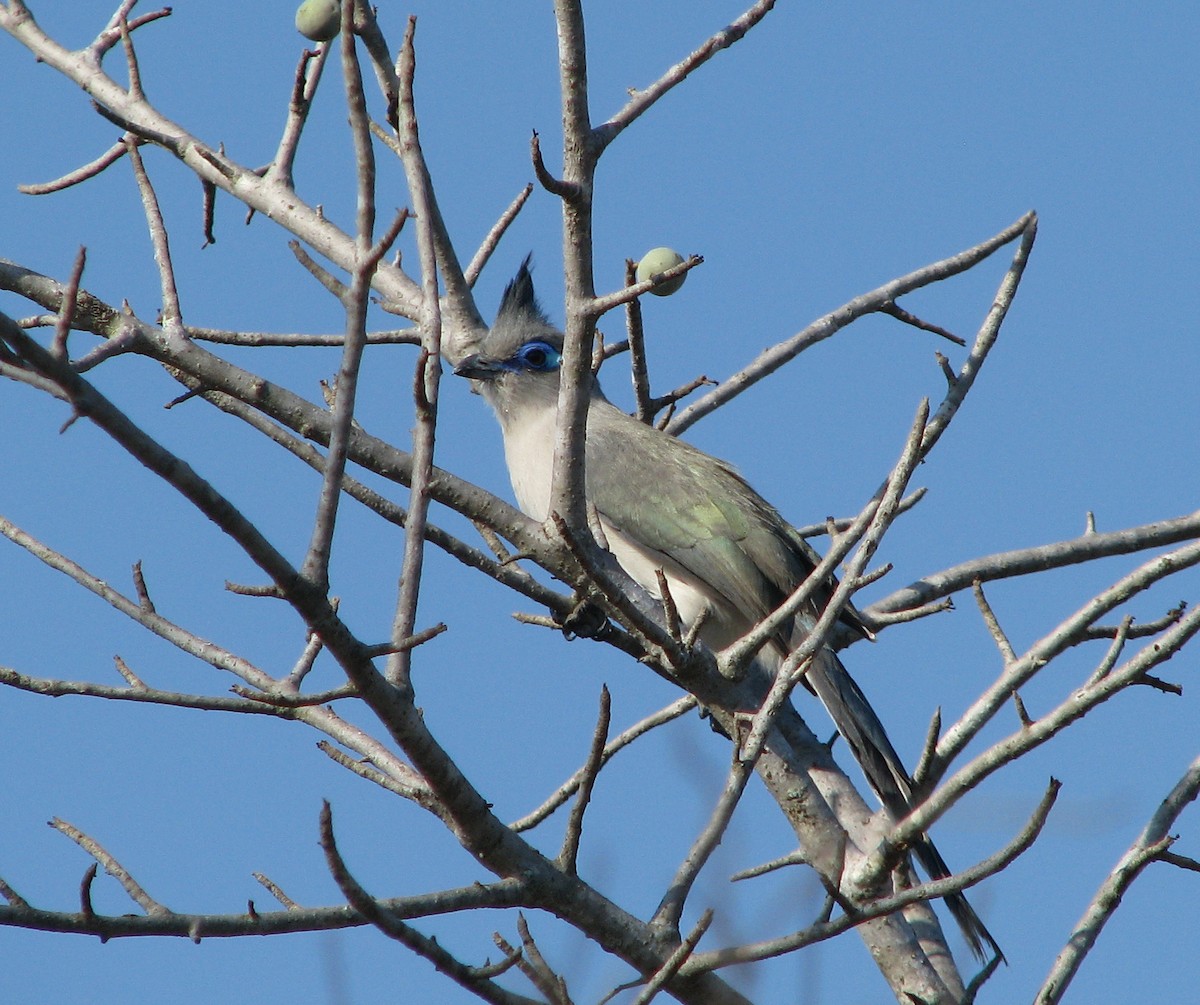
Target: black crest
[[520, 303]]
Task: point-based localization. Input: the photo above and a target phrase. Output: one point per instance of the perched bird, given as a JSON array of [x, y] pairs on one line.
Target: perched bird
[[663, 504]]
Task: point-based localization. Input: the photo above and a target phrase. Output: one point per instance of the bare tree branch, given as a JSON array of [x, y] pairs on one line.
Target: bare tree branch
[[1024, 561], [821, 329], [854, 851], [57, 688], [172, 316], [315, 568], [114, 868], [433, 244], [930, 890], [304, 88], [641, 101], [481, 256], [407, 336], [62, 327], [1148, 846], [677, 960], [670, 909], [569, 855], [394, 928], [623, 739], [1076, 705], [79, 174]]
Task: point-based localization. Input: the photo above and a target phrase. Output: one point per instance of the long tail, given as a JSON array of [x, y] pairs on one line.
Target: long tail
[[860, 727]]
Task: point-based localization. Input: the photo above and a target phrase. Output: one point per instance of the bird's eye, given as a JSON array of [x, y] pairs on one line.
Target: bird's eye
[[538, 356]]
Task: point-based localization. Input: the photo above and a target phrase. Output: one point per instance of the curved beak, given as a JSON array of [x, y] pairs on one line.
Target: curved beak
[[478, 367]]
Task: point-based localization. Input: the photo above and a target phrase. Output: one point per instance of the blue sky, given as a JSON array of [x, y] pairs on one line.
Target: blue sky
[[829, 151]]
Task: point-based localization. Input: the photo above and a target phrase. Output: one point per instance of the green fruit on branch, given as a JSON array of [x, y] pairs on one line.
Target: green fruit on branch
[[659, 260], [319, 20]]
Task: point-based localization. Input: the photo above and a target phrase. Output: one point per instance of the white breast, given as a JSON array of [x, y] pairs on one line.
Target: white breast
[[529, 454]]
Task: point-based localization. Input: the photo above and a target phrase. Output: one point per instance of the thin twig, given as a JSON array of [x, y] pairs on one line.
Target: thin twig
[[366, 26], [1140, 629], [306, 661], [119, 25], [304, 88], [641, 101], [14, 899], [670, 909], [220, 336], [55, 688], [985, 338], [568, 856], [900, 314], [433, 245], [276, 891], [555, 186], [492, 239], [928, 748], [1114, 651], [782, 862], [993, 625], [62, 326], [86, 908], [320, 273], [143, 592], [669, 399], [551, 984], [132, 679], [114, 868], [877, 621], [172, 316], [601, 305], [637, 349], [676, 960], [284, 700], [369, 771], [842, 524], [621, 740], [391, 925], [670, 610], [131, 63], [972, 990], [315, 568], [409, 642], [1179, 861]]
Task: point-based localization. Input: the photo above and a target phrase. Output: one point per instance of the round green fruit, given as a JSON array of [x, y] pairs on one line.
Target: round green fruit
[[659, 260], [319, 20]]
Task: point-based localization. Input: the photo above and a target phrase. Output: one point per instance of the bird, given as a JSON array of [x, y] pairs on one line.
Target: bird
[[727, 554]]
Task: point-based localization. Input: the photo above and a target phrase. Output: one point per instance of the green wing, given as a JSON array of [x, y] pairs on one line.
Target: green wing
[[697, 510]]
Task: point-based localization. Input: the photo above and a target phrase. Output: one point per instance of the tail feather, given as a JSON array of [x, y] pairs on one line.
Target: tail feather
[[858, 724]]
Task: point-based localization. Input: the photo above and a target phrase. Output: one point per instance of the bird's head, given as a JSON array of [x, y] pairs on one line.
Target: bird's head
[[518, 359]]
